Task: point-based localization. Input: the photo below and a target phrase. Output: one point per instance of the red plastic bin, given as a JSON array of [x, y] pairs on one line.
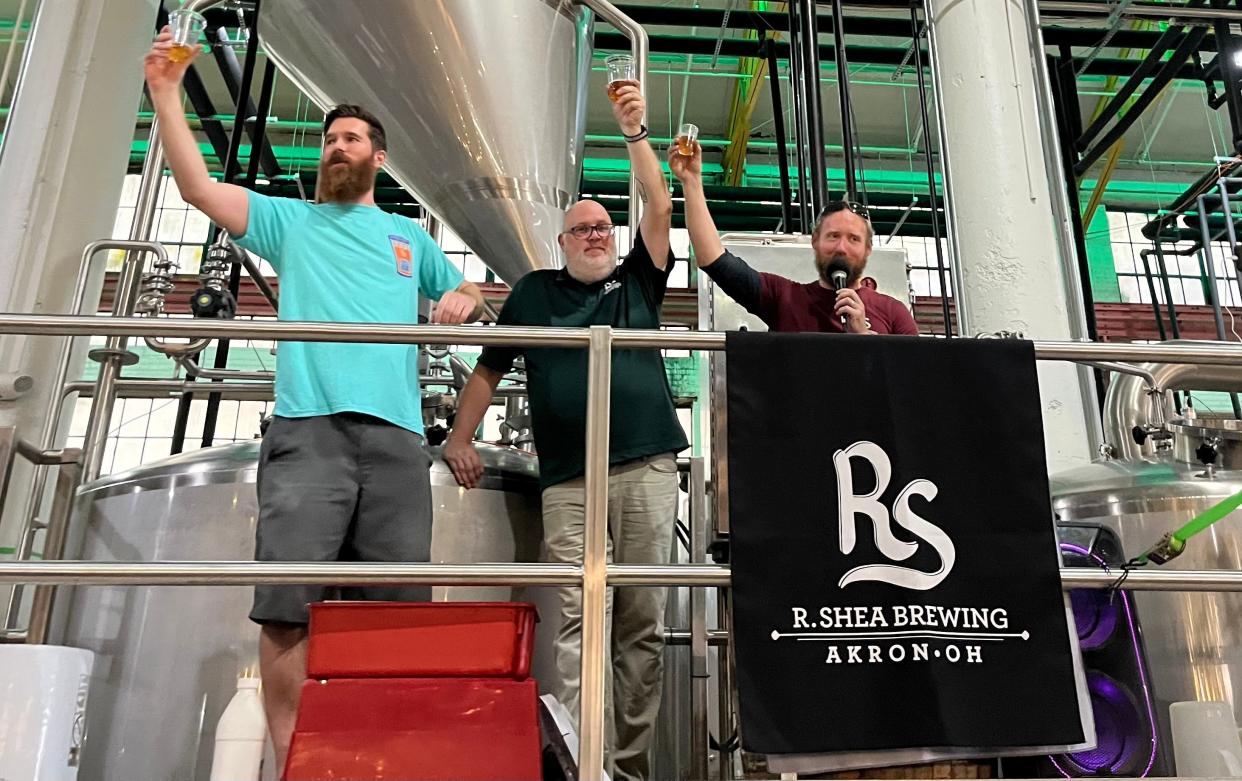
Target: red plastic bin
[[421, 640], [449, 729]]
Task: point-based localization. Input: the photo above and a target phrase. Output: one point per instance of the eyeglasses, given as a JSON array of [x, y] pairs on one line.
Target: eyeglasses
[[603, 230], [836, 206]]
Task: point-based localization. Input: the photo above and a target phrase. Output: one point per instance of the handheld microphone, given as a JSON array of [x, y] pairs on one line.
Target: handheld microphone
[[839, 274]]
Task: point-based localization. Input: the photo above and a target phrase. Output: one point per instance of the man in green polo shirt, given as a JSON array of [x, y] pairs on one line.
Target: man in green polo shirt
[[644, 436]]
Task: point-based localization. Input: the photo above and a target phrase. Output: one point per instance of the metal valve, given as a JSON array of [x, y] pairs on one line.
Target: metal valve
[[156, 285], [213, 299]]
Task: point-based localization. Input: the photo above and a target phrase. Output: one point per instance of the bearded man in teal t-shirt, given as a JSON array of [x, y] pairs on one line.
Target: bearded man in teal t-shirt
[[343, 471]]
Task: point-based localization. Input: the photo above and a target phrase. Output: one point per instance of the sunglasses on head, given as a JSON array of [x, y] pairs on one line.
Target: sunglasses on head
[[836, 206]]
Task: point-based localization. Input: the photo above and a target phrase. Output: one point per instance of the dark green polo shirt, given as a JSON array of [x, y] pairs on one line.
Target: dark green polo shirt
[[643, 421]]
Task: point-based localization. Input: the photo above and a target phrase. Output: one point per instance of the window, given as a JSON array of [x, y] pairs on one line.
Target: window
[[1186, 274]]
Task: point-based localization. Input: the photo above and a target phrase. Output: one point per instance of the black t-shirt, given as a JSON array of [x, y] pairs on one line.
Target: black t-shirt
[[643, 421]]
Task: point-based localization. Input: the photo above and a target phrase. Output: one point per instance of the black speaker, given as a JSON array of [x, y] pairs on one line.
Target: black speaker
[[1128, 731]]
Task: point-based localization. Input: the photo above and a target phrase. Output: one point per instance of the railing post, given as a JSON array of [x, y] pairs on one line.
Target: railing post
[[699, 673], [116, 354], [67, 480], [594, 558]]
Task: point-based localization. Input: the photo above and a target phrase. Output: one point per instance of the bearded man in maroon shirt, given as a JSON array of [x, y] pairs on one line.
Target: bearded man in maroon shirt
[[837, 302]]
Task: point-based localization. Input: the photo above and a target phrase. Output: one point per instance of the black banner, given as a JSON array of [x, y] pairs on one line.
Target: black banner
[[894, 562]]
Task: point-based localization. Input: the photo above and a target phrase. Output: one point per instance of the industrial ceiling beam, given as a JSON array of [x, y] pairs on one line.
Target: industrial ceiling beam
[[1160, 80], [1182, 13], [1230, 73], [1112, 109], [711, 17], [857, 55], [742, 108], [231, 73], [879, 26]]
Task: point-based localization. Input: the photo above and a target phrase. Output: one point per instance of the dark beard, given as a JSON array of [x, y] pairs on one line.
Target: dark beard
[[338, 184], [822, 264]]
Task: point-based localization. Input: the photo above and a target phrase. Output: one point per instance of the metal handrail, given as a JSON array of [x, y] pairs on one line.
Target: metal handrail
[[284, 573], [250, 573], [595, 573], [125, 299], [526, 336]]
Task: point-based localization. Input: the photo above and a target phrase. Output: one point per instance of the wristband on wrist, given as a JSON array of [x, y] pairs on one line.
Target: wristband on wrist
[[639, 136]]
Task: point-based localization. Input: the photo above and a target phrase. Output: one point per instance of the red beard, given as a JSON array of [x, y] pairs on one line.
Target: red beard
[[340, 183]]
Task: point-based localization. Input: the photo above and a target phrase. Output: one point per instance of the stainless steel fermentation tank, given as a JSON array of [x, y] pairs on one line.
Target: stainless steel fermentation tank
[[483, 101], [168, 658], [1192, 640]]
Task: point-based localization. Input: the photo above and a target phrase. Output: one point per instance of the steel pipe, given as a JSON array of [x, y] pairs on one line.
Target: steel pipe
[[256, 275], [1153, 580], [594, 653], [199, 373], [294, 331], [1204, 353], [843, 97], [813, 107], [46, 457], [1207, 265], [157, 389], [240, 573], [1075, 272], [1132, 400], [951, 220], [127, 290], [1230, 229], [55, 404], [141, 229], [715, 637], [243, 391], [932, 197], [668, 575], [1210, 266], [639, 47], [1125, 368], [232, 169], [199, 6], [700, 672], [55, 536]]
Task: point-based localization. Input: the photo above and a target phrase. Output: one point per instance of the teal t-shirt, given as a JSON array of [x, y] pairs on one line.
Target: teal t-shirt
[[347, 264]]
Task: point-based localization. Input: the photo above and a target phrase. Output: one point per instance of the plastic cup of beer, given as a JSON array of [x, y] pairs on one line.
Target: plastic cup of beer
[[621, 73], [686, 137], [186, 27]]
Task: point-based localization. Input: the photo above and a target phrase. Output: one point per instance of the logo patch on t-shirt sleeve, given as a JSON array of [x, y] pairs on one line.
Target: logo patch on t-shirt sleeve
[[402, 253]]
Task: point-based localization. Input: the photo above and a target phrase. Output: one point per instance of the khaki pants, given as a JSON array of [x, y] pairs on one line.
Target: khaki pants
[[642, 504]]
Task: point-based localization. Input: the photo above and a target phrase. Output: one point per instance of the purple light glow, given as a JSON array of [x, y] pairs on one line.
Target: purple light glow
[[1117, 716], [1095, 617]]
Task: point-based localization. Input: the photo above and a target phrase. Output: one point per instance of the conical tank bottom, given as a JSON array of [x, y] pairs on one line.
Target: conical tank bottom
[[483, 102]]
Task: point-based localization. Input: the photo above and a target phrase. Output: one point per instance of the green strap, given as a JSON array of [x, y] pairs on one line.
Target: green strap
[[1207, 518]]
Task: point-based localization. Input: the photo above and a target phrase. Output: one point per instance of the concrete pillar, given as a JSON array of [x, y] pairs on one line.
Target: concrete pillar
[[1006, 205], [63, 162]]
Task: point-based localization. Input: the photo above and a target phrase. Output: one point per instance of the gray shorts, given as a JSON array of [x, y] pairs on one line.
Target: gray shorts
[[343, 487]]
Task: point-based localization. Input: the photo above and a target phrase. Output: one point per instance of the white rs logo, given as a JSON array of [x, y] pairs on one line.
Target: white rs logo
[[850, 505]]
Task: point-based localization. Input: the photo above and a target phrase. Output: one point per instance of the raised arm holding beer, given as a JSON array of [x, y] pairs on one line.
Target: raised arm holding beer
[[343, 472], [642, 480]]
